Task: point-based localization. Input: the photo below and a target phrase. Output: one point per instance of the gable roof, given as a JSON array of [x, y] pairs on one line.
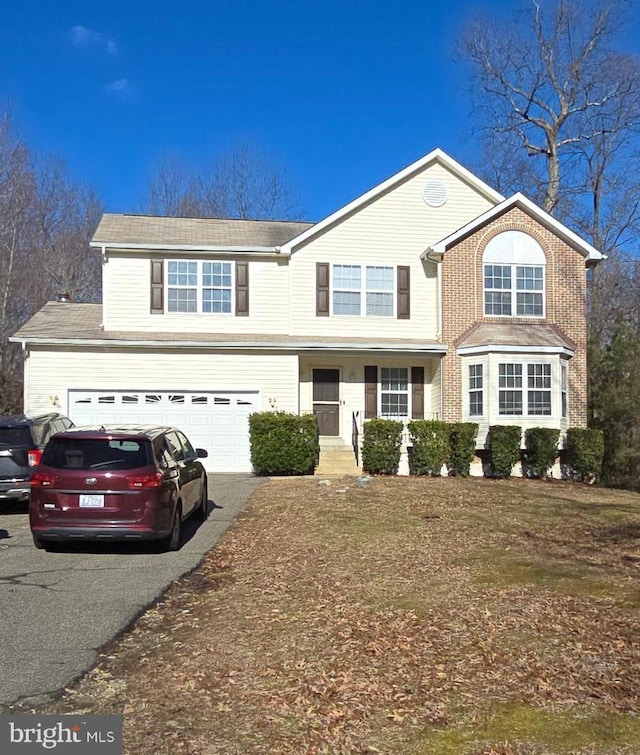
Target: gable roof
[[121, 231], [589, 252], [435, 156]]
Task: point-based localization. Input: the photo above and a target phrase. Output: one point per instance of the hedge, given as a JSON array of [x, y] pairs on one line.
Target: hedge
[[541, 444], [381, 446], [462, 447], [585, 450], [504, 447], [283, 443], [430, 441]]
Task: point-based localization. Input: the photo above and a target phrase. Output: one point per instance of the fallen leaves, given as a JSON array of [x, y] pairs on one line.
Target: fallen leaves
[[341, 619]]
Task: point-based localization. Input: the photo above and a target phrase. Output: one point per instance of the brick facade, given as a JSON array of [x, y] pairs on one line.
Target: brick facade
[[462, 305]]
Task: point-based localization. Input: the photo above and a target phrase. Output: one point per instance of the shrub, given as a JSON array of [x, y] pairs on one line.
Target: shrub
[[585, 449], [381, 446], [504, 445], [430, 441], [462, 447], [541, 445], [283, 443]]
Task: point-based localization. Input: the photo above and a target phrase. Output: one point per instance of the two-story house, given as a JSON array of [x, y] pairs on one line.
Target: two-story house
[[431, 295]]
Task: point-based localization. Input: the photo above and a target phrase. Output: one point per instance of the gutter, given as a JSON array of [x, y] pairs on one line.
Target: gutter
[[192, 249], [432, 348]]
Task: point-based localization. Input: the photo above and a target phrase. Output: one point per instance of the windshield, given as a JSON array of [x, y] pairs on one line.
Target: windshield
[[99, 453]]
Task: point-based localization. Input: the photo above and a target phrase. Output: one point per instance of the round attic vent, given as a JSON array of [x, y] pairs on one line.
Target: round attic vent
[[435, 193]]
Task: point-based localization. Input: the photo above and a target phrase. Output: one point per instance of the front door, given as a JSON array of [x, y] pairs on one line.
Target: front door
[[326, 401]]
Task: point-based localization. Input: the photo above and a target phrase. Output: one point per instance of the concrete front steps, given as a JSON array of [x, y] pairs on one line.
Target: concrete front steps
[[337, 460]]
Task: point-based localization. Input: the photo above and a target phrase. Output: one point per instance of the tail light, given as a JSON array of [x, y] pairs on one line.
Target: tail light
[[42, 480], [144, 480], [34, 457]]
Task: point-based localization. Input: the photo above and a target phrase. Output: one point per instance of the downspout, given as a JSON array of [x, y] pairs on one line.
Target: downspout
[[436, 258], [104, 298]]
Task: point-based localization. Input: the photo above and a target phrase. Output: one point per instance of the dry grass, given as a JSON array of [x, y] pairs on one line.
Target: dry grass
[[399, 616]]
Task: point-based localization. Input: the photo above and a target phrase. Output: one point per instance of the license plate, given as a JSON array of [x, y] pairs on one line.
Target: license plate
[[91, 501]]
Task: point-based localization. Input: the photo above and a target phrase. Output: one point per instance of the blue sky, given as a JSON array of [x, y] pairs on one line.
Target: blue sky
[[341, 93]]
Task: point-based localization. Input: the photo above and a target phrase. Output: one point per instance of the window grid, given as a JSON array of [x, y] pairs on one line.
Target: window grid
[[511, 399], [564, 390], [379, 287], [539, 389], [394, 392], [476, 403], [199, 286], [502, 298]]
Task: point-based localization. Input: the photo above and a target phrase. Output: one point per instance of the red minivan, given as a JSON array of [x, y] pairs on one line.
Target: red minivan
[[116, 483]]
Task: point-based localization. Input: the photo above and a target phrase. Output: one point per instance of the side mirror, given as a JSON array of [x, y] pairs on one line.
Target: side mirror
[[201, 453]]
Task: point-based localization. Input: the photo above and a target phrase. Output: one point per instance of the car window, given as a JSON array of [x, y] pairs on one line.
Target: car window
[[174, 446], [99, 453], [40, 431], [15, 437], [187, 448]]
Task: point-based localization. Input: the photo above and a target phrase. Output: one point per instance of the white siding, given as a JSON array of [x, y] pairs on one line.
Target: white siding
[[53, 373], [352, 382], [393, 230], [126, 281]]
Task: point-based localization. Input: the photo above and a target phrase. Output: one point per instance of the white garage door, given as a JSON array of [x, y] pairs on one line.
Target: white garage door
[[218, 422]]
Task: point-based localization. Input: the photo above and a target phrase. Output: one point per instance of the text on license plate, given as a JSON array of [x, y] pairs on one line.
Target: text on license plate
[[93, 501]]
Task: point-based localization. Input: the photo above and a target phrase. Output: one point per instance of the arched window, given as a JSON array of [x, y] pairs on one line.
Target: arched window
[[514, 279]]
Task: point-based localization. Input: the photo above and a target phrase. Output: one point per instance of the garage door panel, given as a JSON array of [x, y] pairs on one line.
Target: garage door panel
[[217, 422]]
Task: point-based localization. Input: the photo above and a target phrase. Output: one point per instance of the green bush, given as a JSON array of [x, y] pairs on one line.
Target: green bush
[[504, 446], [430, 441], [541, 444], [585, 449], [462, 447], [283, 443], [381, 446]]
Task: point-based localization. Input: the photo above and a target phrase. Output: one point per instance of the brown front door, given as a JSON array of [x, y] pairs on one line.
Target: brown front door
[[326, 401]]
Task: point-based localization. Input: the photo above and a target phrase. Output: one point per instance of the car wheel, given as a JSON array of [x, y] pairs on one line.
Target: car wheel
[[202, 511], [173, 541], [37, 542]]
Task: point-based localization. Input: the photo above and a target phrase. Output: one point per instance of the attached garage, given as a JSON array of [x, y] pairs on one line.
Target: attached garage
[[215, 421]]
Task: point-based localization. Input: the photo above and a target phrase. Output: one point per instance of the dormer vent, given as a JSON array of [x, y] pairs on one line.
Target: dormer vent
[[435, 193]]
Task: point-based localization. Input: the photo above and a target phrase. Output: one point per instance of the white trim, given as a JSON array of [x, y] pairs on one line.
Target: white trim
[[509, 349], [191, 248], [252, 345], [436, 155], [589, 252]]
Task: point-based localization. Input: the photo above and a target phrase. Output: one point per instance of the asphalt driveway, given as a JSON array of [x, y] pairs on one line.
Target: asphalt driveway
[[58, 609]]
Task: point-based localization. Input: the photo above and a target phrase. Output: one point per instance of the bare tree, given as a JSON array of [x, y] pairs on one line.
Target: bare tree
[[66, 215], [242, 183], [560, 108]]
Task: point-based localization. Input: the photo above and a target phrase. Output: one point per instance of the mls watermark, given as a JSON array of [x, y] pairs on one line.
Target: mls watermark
[[62, 735]]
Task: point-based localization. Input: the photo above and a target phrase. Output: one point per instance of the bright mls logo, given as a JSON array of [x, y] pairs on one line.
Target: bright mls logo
[[28, 735]]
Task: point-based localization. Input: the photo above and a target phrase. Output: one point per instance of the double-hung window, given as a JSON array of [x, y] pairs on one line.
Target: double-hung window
[[517, 398], [476, 392], [369, 291], [394, 392], [514, 280], [564, 390], [198, 286]]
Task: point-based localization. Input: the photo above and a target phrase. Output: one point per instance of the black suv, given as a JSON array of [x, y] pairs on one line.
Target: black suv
[[22, 440]]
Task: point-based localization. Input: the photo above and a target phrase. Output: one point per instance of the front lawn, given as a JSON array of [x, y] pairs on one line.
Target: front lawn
[[398, 615]]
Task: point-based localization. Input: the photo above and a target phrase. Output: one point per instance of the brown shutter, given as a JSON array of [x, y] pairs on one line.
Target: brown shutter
[[370, 392], [242, 289], [417, 393], [157, 287], [404, 278], [322, 289]]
